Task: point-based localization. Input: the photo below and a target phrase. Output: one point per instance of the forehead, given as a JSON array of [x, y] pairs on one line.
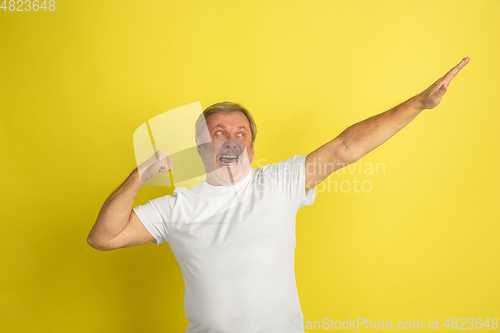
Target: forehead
[[231, 119]]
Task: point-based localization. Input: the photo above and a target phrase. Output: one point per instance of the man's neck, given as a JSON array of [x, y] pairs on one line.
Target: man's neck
[[215, 180]]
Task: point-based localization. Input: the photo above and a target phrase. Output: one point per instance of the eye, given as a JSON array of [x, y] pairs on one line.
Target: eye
[[241, 134], [219, 133]]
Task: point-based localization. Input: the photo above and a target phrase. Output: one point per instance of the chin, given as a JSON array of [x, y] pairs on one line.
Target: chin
[[237, 172], [220, 174]]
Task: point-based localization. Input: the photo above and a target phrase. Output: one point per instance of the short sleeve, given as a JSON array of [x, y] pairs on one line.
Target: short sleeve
[[153, 216], [290, 178]]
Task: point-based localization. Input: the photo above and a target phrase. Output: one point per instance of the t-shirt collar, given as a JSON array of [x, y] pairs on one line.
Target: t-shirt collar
[[207, 188]]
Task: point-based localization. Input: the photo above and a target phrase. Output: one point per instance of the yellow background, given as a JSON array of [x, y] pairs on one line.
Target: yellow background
[[76, 82]]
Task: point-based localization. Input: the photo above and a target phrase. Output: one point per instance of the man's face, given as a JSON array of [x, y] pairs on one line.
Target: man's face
[[231, 155]]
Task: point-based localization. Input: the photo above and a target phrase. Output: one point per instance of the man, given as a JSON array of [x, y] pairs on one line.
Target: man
[[234, 233]]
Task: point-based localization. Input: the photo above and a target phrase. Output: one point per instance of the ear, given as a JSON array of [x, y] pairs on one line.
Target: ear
[[197, 145]]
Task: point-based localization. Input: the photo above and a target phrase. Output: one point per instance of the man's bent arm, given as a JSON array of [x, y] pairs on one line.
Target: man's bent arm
[[117, 225], [361, 138], [115, 213]]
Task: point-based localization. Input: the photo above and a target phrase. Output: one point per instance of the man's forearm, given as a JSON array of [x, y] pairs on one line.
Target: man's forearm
[[115, 212], [361, 138]]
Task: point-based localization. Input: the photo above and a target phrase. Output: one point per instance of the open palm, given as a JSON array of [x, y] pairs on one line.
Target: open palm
[[431, 97]]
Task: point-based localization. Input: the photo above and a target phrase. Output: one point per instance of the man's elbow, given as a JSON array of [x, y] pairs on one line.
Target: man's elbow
[[97, 245], [346, 154], [350, 157]]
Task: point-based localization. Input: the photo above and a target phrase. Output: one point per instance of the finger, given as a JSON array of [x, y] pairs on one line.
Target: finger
[[164, 166], [161, 154], [454, 71], [442, 90], [170, 163]]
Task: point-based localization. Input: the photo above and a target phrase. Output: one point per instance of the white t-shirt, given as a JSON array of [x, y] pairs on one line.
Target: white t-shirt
[[236, 248]]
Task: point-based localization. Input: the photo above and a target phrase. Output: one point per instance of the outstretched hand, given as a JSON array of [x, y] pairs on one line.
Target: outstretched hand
[[431, 97]]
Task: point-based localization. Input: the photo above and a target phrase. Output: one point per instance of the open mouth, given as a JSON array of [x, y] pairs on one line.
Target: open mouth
[[228, 160]]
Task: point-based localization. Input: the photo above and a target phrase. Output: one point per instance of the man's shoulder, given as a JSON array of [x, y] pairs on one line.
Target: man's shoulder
[[291, 161]]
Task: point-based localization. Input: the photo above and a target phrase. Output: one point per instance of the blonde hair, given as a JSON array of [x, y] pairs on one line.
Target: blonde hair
[[226, 107]]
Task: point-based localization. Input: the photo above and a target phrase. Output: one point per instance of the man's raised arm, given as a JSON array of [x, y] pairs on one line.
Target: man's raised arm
[[117, 225], [361, 138]]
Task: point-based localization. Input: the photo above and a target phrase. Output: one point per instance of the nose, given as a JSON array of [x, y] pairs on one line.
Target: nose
[[230, 143]]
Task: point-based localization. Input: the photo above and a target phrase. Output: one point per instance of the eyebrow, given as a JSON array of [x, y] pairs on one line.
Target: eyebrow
[[241, 126]]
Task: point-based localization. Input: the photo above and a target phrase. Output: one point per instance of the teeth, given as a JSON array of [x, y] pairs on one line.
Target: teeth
[[229, 156]]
